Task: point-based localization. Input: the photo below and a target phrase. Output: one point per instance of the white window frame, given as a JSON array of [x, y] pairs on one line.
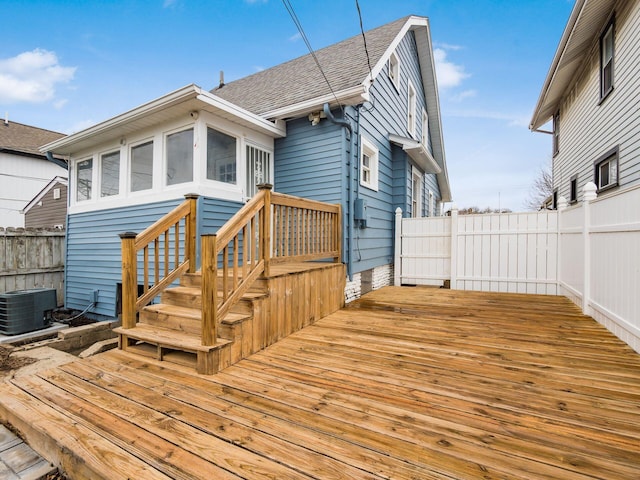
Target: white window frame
[[416, 201], [411, 109], [432, 204], [76, 170], [248, 169], [154, 174], [394, 70], [371, 151], [165, 156], [101, 156], [240, 158], [425, 129]]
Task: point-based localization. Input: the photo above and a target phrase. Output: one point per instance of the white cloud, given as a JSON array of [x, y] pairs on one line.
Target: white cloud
[[168, 3], [459, 97], [32, 77], [448, 73], [295, 38], [512, 119], [78, 126], [58, 104], [448, 46], [258, 68]]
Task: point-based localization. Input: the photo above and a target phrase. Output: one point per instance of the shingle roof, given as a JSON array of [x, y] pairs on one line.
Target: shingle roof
[[20, 138], [292, 82]]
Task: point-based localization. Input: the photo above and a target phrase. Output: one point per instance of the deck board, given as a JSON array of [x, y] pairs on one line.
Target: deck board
[[405, 383]]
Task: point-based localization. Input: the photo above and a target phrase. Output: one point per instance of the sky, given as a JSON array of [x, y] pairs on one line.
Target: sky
[[67, 65]]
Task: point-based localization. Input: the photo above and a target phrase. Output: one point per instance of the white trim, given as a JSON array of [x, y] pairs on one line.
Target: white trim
[[416, 175], [394, 73], [412, 109], [99, 187], [424, 132], [417, 152], [165, 154], [349, 96], [44, 191], [369, 149]]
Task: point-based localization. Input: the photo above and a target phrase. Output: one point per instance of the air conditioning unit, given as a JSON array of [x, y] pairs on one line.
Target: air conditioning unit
[[24, 311]]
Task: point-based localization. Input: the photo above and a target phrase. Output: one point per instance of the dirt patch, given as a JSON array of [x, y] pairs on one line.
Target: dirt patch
[[8, 362], [71, 318], [57, 475]]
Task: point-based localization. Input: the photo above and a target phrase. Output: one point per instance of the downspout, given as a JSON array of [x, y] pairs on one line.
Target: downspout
[[346, 124], [60, 163]]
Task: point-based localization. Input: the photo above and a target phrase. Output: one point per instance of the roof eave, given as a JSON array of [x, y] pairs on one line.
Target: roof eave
[[349, 96], [190, 96]]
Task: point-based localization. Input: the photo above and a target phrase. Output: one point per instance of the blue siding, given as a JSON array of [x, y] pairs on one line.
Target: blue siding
[[308, 161], [94, 259]]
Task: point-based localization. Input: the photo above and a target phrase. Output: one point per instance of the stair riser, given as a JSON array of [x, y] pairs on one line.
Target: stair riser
[[195, 280], [195, 301], [187, 325]]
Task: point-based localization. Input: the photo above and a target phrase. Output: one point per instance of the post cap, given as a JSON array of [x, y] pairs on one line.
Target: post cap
[[264, 186], [128, 235]]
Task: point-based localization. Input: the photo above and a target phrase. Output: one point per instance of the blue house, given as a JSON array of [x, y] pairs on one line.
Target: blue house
[[368, 141]]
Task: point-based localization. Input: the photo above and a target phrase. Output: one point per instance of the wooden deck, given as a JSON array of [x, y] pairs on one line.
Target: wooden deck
[[407, 383]]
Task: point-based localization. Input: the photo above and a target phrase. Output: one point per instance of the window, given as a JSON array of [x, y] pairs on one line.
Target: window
[[394, 70], [416, 193], [556, 133], [606, 170], [573, 189], [221, 157], [180, 157], [425, 129], [258, 169], [110, 174], [369, 165], [142, 167], [606, 59], [84, 174], [411, 110]]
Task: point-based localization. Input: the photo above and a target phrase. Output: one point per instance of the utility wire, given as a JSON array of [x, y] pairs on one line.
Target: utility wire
[[364, 39], [296, 21]]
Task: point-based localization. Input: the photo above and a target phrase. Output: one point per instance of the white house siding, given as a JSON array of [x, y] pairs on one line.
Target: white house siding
[[21, 179], [588, 130]]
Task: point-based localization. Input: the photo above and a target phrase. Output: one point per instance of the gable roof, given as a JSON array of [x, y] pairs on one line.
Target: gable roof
[[300, 80], [55, 181], [23, 139], [583, 28]]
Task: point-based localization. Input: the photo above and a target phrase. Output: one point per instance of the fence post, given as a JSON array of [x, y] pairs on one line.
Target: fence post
[[190, 233], [129, 279], [454, 247], [338, 234], [589, 195], [265, 228], [397, 261], [562, 205], [209, 289]]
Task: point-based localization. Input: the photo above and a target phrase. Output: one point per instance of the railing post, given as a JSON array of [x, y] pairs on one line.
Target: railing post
[[209, 289], [190, 231], [562, 206], [338, 230], [129, 279], [397, 262], [589, 195], [454, 247], [265, 228]]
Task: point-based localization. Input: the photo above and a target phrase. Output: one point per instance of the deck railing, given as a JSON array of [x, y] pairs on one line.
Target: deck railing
[[272, 228], [167, 250]]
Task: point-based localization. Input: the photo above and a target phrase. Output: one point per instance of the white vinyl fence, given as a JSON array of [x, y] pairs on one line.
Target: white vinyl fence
[[589, 252]]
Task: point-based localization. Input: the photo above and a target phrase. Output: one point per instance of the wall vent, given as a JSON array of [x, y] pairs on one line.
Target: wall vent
[[24, 311]]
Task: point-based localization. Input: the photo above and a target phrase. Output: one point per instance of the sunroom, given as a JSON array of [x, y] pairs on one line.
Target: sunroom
[[188, 141]]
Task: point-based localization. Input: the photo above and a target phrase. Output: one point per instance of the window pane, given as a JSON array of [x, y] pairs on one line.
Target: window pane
[[604, 174], [85, 174], [180, 157], [110, 174], [142, 167], [221, 157]]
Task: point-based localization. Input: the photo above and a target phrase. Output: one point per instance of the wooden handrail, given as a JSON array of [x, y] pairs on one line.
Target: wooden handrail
[[163, 235]]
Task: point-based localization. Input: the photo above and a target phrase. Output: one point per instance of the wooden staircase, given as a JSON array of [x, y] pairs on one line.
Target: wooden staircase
[[171, 330], [270, 232]]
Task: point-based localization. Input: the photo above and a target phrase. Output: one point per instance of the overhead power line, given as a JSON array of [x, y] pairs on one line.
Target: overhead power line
[[364, 39], [296, 21]]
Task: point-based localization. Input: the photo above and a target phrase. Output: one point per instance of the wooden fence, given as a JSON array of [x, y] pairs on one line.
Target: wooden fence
[[32, 259], [587, 252]]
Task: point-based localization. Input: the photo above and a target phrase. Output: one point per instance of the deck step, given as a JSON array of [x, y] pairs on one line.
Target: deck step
[[169, 344]]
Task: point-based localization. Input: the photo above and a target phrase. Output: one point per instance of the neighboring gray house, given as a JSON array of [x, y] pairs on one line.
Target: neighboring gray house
[[591, 97], [24, 170], [371, 142], [48, 209]]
